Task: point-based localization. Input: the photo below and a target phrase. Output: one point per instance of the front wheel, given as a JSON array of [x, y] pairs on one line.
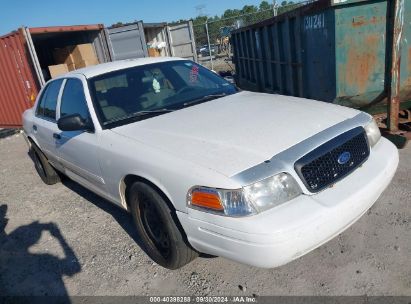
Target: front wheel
[[162, 239]]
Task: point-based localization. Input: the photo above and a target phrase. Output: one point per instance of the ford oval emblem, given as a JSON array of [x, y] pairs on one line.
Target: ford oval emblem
[[344, 158]]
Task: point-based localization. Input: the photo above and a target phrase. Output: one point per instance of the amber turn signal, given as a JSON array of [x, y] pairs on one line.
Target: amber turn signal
[[207, 200]]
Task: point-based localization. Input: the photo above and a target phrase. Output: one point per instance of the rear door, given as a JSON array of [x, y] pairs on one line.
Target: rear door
[[127, 42], [78, 149], [45, 123], [181, 40]]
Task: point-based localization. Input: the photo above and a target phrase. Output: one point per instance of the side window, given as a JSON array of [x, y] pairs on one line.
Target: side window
[[48, 102], [40, 106], [73, 100]]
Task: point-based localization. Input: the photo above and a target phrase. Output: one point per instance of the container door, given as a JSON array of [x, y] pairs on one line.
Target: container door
[[127, 42], [101, 45], [33, 55], [181, 40], [18, 87]]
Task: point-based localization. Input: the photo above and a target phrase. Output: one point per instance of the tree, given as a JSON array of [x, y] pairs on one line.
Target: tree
[[117, 24], [287, 6], [265, 6], [249, 14], [265, 10]]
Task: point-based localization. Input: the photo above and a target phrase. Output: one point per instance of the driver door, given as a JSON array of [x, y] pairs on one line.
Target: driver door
[[78, 149]]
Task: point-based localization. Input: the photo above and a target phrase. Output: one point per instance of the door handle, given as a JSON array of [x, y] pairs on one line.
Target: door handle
[[56, 136]]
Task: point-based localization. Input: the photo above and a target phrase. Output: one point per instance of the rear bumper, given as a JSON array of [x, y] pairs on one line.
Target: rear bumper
[[284, 233]]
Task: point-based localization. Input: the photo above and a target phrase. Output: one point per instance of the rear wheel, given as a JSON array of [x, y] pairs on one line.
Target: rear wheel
[[161, 237], [46, 172]]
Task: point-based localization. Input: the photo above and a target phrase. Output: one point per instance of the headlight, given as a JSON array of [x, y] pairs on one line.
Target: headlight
[[226, 202], [254, 198], [373, 132], [272, 191]]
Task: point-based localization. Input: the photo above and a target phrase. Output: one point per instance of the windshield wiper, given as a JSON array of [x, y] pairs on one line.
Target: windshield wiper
[[204, 98], [138, 114]]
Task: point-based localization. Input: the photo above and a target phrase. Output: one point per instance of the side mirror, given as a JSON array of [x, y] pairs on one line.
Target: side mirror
[[73, 122]]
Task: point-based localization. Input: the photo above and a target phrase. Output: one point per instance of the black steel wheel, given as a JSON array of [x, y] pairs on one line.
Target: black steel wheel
[[46, 172], [158, 228], [154, 226]]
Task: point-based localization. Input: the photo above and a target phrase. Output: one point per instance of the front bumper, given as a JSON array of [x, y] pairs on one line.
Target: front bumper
[[282, 234]]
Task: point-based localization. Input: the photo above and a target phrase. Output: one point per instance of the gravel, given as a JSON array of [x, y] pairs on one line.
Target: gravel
[[65, 240]]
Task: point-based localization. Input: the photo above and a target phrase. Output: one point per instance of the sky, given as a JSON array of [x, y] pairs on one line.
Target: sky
[[34, 13]]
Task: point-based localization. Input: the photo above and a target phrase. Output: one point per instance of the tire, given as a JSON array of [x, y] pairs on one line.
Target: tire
[[46, 172], [157, 227]]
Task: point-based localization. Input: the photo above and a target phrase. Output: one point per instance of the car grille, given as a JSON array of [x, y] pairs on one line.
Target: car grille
[[333, 160]]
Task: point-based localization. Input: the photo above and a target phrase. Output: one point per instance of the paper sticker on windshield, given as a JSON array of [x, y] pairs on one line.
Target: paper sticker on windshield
[[156, 85], [194, 74]]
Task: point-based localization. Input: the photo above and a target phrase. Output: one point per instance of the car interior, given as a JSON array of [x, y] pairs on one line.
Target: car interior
[[139, 91]]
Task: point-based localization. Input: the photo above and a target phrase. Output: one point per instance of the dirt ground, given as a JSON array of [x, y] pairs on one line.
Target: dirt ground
[[63, 239]]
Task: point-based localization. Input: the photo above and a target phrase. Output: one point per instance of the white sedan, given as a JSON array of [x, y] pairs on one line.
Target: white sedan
[[205, 168]]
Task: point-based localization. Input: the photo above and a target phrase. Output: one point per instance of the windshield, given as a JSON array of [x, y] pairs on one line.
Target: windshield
[[154, 89]]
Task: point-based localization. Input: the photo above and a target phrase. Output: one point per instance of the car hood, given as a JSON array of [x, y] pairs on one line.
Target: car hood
[[236, 132]]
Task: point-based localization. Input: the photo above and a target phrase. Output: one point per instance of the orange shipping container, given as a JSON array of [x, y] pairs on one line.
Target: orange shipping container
[[26, 54], [18, 87]]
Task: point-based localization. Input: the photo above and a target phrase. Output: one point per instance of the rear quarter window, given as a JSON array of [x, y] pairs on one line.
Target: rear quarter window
[[48, 100]]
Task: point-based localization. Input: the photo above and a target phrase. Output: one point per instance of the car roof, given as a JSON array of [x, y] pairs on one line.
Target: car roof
[[107, 67]]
